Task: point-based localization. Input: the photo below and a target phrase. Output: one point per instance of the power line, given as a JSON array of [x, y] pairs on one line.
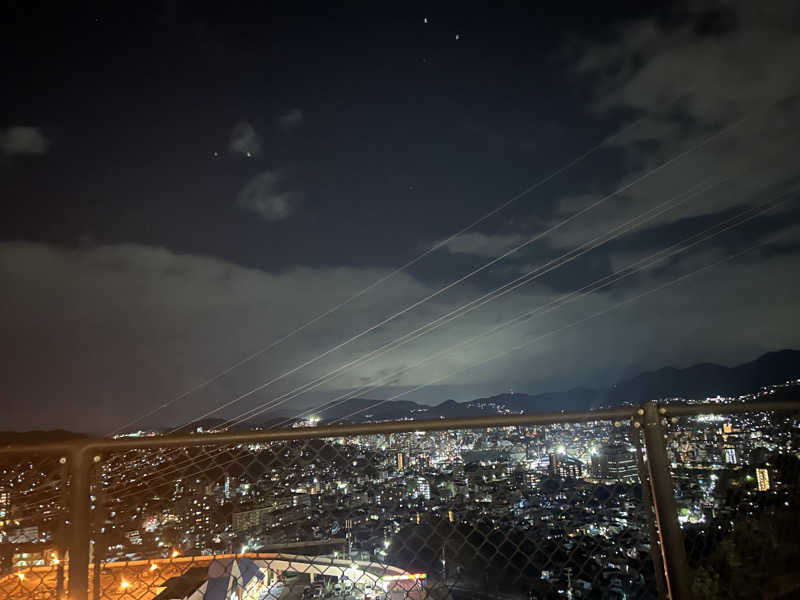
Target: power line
[[560, 329], [554, 304], [463, 278], [575, 161], [498, 292]]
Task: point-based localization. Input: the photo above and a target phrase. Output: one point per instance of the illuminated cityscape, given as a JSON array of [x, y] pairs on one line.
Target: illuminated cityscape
[[570, 487]]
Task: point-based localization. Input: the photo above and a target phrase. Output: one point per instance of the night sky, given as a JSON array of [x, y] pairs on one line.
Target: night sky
[[184, 183]]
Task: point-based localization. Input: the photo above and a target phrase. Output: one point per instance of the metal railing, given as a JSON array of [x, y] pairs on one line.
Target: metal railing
[[319, 502]]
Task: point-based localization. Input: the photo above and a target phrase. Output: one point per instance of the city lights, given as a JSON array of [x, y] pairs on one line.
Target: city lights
[[405, 576], [554, 484]]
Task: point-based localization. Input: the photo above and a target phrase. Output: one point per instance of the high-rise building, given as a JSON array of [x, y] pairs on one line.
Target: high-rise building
[[5, 511], [762, 475], [565, 466], [614, 462], [5, 501], [423, 488], [730, 456]]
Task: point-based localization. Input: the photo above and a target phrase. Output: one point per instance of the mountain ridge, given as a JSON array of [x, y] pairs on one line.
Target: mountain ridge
[[696, 381], [701, 380]]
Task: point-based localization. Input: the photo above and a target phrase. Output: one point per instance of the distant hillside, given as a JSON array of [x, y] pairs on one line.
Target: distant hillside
[[38, 437], [704, 380], [207, 425], [696, 382]]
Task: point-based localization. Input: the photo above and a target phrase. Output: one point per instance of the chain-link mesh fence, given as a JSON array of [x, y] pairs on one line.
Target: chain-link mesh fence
[[547, 511], [33, 513], [551, 511], [737, 488]]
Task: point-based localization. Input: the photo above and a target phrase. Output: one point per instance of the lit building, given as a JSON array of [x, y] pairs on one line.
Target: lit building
[[5, 510], [423, 488], [243, 521], [5, 501], [614, 462], [39, 558], [762, 476], [565, 466]]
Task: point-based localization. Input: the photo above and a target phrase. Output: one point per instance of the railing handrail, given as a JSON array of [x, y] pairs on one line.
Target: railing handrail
[[676, 409], [328, 431]]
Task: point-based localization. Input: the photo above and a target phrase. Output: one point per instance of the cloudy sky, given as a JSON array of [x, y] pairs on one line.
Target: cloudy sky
[[185, 184]]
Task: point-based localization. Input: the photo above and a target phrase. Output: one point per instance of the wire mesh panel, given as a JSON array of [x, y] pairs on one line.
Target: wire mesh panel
[[32, 526], [517, 512], [737, 487]]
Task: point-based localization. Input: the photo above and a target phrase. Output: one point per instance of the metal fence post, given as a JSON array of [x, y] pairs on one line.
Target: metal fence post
[[647, 502], [61, 530], [673, 551], [79, 525]]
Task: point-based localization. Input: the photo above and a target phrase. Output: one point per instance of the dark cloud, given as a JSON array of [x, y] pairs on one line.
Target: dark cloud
[[292, 119], [712, 68], [245, 140], [23, 141], [721, 61], [479, 244], [268, 195], [120, 329]]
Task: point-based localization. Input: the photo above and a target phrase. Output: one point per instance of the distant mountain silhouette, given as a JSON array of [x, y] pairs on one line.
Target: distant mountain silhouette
[[38, 437], [704, 380], [695, 382]]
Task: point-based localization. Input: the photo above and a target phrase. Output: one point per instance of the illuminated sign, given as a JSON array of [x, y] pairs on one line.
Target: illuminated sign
[[404, 576], [762, 475]]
